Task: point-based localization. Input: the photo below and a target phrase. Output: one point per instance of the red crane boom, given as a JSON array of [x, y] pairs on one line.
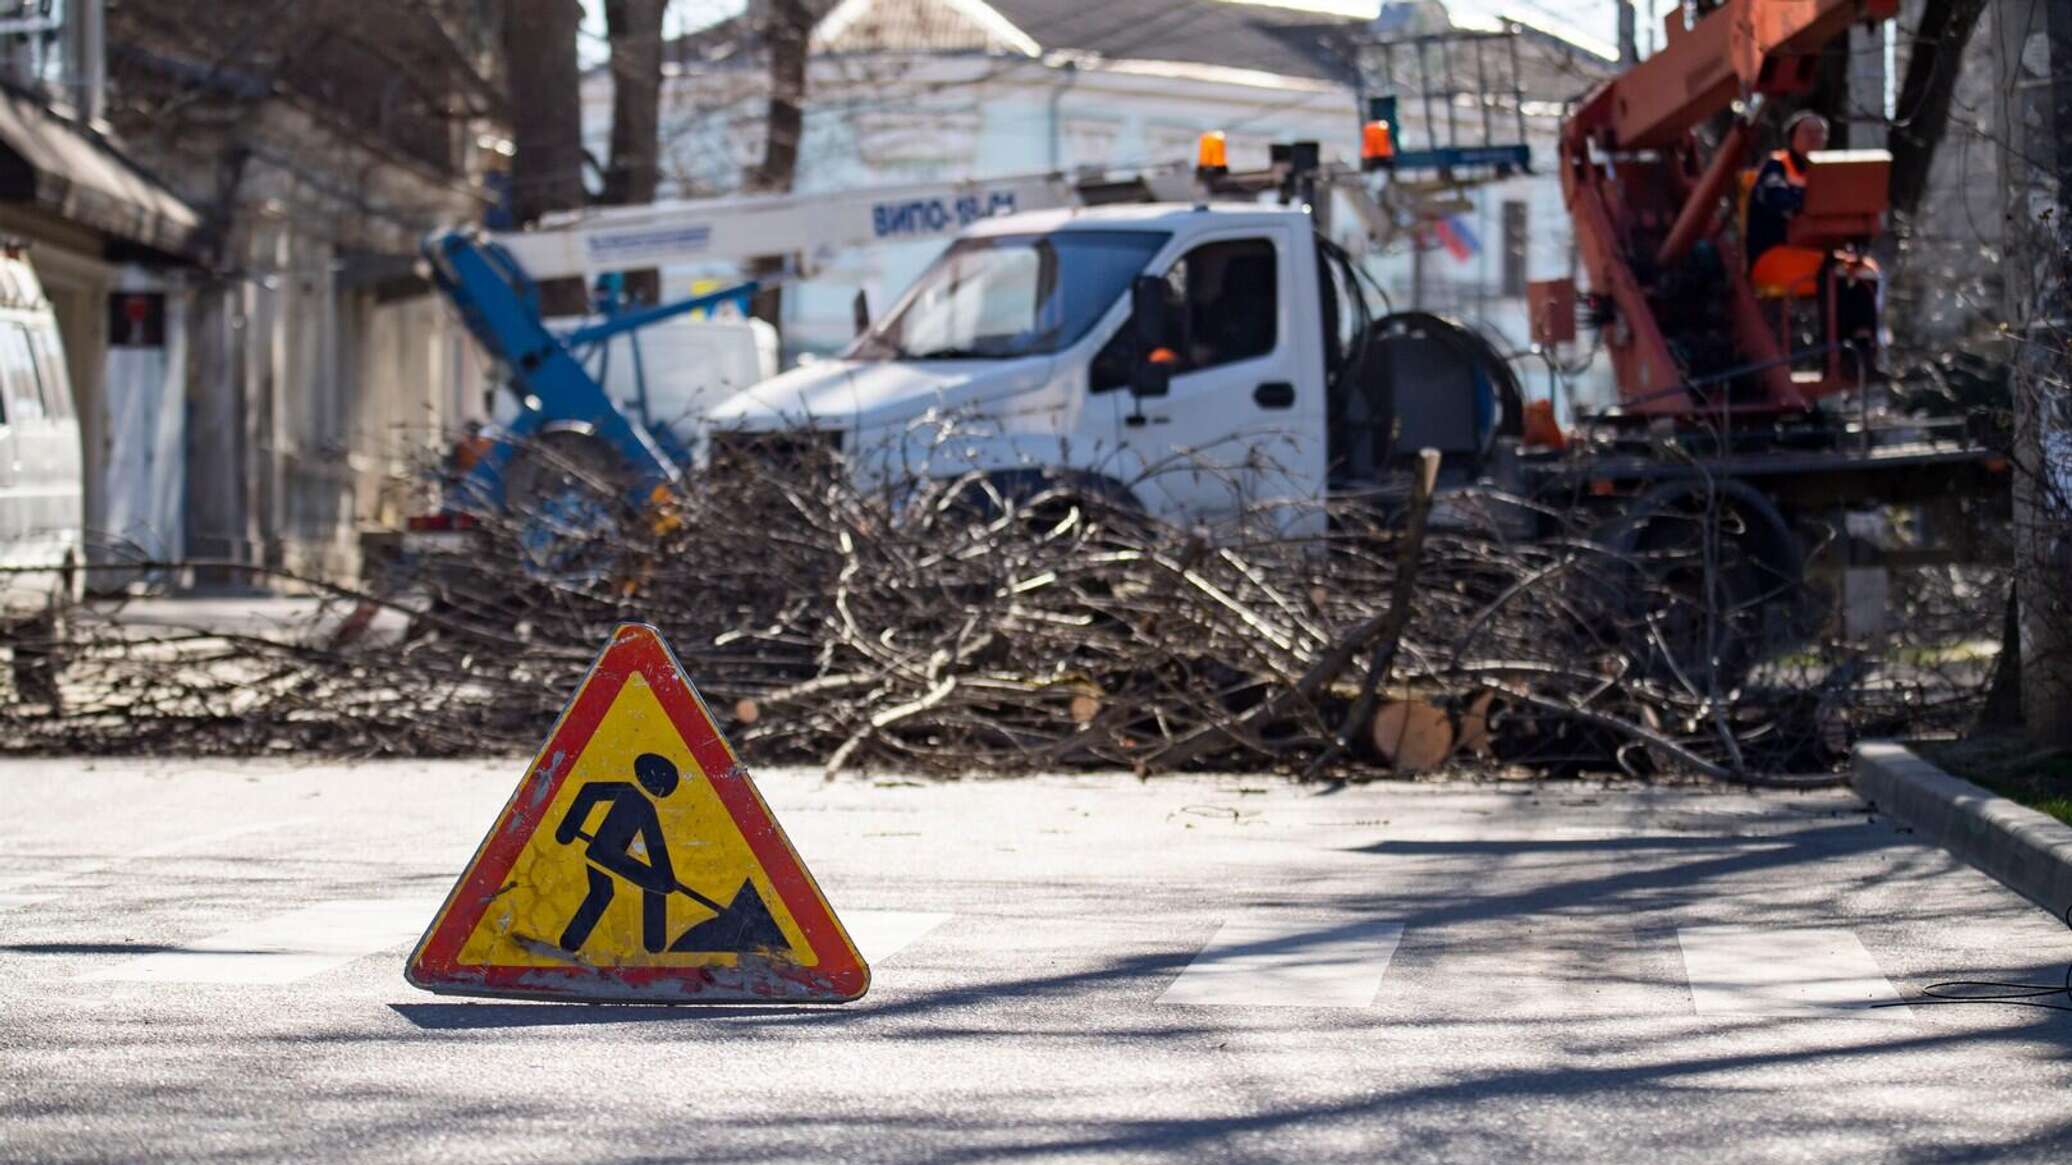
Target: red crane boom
[[1645, 187]]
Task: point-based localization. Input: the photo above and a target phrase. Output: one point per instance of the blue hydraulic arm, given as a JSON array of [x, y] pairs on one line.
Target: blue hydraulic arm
[[500, 304]]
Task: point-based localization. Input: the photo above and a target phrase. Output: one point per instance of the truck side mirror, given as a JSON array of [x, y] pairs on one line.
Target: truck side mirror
[[860, 311], [1151, 373]]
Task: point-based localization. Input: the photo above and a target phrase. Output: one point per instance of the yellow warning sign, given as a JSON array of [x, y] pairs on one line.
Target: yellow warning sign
[[637, 861]]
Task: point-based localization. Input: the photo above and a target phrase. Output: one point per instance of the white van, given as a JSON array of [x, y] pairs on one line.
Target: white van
[[42, 482]]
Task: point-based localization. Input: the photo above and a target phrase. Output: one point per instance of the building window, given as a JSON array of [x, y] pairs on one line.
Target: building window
[[1514, 248], [45, 47]]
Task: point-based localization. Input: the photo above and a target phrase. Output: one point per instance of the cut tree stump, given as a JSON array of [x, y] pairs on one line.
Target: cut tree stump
[[1474, 724], [1412, 735]]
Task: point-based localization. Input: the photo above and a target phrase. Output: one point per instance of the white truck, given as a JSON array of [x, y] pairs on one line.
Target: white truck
[[1164, 337], [1188, 359]]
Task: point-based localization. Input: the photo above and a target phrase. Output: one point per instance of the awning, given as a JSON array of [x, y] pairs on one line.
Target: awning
[[78, 176]]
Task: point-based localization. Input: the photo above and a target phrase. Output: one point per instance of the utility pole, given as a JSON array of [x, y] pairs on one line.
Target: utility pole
[[2034, 43]]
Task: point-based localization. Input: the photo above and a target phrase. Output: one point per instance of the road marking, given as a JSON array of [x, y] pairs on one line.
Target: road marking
[[1742, 970], [1271, 960], [301, 943], [14, 888], [187, 845], [285, 947], [881, 934]]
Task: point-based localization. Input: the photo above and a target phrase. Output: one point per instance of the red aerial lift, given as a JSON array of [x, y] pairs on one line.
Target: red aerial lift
[[1732, 399], [1646, 165]]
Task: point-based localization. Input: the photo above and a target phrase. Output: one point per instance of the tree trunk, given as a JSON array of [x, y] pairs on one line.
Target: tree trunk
[[634, 171], [2038, 179], [1924, 97], [2002, 710], [546, 106], [787, 26]]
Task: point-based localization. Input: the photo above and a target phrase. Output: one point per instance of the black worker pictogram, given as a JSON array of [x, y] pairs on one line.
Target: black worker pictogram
[[629, 844]]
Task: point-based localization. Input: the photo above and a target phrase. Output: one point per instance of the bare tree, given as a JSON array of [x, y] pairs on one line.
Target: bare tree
[[546, 105], [2037, 91], [402, 70], [1924, 96], [635, 30], [634, 170], [786, 28]]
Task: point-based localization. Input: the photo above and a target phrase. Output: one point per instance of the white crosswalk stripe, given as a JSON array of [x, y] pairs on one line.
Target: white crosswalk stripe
[[27, 888], [1270, 959], [1781, 971], [284, 947], [1265, 958], [881, 934], [301, 943]]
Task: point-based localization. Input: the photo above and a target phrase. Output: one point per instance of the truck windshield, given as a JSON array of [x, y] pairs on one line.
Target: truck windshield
[[1010, 295]]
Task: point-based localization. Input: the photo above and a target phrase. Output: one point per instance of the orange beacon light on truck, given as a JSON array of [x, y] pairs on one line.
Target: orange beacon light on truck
[[1377, 146], [1212, 154]]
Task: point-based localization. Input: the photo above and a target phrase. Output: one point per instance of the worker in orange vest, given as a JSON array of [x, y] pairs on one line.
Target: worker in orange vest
[[1784, 268]]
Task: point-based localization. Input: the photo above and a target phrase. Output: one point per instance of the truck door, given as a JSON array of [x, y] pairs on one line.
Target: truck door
[[1243, 420]]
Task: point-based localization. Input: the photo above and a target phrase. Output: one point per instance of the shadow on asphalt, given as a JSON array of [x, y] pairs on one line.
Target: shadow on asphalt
[[1510, 846], [106, 949], [1443, 1069], [483, 1016]]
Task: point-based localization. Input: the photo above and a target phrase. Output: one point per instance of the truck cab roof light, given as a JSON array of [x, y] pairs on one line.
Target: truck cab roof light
[[1212, 154], [1377, 146]]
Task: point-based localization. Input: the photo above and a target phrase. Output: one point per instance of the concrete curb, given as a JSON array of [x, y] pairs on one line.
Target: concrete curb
[[2030, 852]]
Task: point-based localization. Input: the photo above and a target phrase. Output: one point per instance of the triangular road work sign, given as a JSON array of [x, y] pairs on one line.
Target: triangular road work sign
[[637, 863]]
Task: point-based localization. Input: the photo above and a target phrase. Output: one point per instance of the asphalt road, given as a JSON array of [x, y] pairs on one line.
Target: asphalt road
[[202, 961]]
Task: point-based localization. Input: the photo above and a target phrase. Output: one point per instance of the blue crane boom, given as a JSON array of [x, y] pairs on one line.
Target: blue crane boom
[[500, 305]]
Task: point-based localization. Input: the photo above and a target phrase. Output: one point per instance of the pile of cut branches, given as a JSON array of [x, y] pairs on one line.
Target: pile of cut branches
[[962, 627]]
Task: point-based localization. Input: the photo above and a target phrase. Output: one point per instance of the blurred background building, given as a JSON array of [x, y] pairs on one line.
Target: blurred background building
[[224, 198], [901, 90], [318, 365], [115, 248]]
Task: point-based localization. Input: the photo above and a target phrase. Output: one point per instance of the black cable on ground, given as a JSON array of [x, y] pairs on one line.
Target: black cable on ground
[[2011, 994]]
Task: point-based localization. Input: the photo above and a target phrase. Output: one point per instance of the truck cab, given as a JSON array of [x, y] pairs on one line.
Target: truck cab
[[1184, 359], [1028, 346]]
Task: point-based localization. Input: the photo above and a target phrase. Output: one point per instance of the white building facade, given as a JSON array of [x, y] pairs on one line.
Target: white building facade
[[902, 90]]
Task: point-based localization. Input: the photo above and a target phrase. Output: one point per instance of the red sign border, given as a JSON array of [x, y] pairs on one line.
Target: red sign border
[[637, 648]]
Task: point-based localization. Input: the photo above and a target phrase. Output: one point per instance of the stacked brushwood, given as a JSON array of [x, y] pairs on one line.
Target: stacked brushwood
[[958, 627]]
